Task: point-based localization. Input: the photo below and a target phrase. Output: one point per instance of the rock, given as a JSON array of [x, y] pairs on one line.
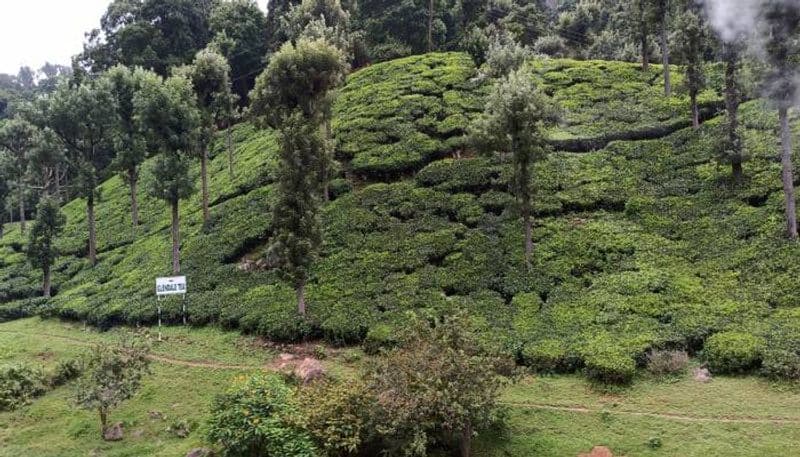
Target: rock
[[113, 433], [286, 357], [598, 451], [309, 370], [200, 452], [156, 415], [701, 374]]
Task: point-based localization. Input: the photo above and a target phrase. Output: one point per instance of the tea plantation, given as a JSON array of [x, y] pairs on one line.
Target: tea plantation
[[641, 239]]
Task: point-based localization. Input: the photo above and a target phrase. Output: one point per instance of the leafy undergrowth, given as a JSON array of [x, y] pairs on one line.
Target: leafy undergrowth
[[639, 245], [52, 426]]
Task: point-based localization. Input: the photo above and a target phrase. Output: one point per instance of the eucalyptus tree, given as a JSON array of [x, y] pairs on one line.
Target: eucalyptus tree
[[129, 139], [41, 250], [82, 116], [167, 111], [210, 77], [292, 96], [18, 137], [515, 120], [691, 44], [782, 21]]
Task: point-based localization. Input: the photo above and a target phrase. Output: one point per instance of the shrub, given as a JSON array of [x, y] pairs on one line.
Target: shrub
[[381, 336], [66, 371], [734, 352], [337, 415], [19, 384], [780, 363], [547, 356], [609, 364], [662, 362], [259, 416]]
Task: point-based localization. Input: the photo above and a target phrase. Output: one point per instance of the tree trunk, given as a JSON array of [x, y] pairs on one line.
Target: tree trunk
[[526, 216], [46, 282], [58, 184], [465, 444], [327, 159], [736, 171], [92, 231], [787, 175], [643, 37], [204, 182], [21, 197], [301, 297], [229, 143], [665, 53], [176, 241], [103, 421], [133, 181], [430, 26], [695, 111]]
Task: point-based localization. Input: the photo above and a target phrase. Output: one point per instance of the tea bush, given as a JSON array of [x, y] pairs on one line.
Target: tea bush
[[19, 385], [734, 352]]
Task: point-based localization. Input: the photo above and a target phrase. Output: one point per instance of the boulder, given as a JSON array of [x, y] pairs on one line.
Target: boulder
[[309, 370], [113, 433], [598, 451], [200, 452], [701, 374]]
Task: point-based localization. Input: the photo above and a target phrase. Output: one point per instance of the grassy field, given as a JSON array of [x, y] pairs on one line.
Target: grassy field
[[549, 416]]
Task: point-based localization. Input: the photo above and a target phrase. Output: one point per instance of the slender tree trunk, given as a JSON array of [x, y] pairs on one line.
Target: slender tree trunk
[[58, 184], [787, 175], [527, 220], [732, 100], [430, 25], [21, 197], [643, 37], [92, 230], [1, 228], [229, 143], [327, 159], [204, 182], [46, 282], [103, 421], [133, 182], [465, 444], [176, 241], [665, 52], [695, 111], [301, 297]]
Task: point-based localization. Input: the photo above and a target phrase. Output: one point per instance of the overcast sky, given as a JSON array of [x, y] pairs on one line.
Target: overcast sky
[[35, 31]]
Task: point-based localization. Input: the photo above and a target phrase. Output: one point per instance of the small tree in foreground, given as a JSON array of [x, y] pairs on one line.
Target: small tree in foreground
[[515, 120], [41, 252], [438, 385], [113, 374]]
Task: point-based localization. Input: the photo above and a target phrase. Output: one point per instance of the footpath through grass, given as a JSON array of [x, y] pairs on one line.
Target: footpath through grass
[[548, 416]]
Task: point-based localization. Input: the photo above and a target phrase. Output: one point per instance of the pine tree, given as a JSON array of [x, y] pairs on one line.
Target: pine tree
[[41, 252], [515, 120]]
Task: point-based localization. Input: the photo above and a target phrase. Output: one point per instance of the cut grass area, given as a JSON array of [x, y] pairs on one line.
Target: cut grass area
[[720, 418]]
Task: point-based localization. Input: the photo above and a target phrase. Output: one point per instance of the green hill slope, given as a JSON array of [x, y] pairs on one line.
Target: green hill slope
[[639, 244]]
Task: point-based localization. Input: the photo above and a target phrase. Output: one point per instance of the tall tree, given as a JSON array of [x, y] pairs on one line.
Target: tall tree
[[47, 164], [515, 120], [661, 13], [782, 20], [209, 74], [244, 26], [129, 138], [3, 193], [291, 96], [733, 97], [691, 44], [19, 137], [168, 113], [82, 117], [41, 252], [154, 34]]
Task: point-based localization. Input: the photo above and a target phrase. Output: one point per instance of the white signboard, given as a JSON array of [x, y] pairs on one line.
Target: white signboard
[[175, 285]]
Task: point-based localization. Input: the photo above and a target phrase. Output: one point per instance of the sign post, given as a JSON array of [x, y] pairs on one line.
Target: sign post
[[175, 285]]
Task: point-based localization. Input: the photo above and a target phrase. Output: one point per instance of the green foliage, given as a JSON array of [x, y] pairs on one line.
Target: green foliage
[[258, 416], [112, 375], [734, 352], [19, 384]]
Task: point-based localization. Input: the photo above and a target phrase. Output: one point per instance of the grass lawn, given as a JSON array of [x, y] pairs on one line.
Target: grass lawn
[[548, 416]]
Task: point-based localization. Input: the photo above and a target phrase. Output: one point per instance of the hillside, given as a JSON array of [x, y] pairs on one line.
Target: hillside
[[641, 239]]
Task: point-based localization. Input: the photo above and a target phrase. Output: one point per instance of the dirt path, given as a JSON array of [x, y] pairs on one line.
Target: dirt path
[[154, 357], [667, 416]]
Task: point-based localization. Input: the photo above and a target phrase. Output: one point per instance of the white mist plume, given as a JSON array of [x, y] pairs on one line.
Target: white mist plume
[[733, 19]]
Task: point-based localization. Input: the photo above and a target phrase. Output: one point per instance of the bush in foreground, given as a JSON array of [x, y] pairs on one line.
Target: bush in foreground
[[19, 384]]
